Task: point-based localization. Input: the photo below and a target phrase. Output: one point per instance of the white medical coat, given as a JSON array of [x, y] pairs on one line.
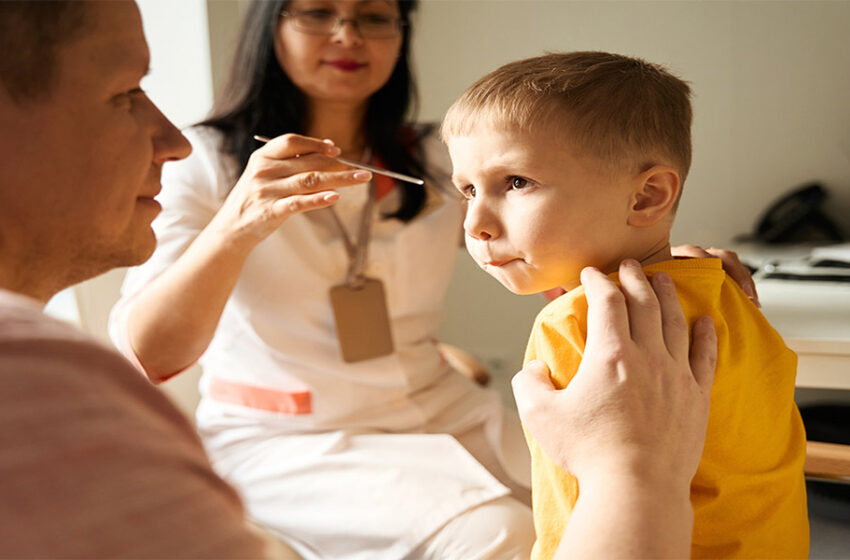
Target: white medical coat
[[343, 460]]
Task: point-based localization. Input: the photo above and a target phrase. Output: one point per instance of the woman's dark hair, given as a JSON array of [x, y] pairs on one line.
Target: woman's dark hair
[[259, 98]]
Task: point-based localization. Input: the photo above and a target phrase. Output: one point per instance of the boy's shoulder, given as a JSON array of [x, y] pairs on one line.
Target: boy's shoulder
[[694, 278], [568, 308]]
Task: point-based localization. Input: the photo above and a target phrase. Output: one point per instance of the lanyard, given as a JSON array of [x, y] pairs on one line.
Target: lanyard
[[357, 252]]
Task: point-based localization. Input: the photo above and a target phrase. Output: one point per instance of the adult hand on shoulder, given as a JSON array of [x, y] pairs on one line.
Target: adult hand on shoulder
[[289, 175], [731, 264], [640, 398], [631, 424]]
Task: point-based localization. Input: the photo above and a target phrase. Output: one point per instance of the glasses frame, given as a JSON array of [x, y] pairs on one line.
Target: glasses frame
[[338, 23]]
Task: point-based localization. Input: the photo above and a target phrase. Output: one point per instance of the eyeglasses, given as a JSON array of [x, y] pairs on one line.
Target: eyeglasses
[[326, 22]]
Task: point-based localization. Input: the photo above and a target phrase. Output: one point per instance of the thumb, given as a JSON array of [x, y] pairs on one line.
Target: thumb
[[530, 384], [703, 356]]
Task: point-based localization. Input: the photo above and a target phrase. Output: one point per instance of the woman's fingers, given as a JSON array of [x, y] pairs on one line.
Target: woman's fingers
[[285, 207], [731, 264], [737, 271], [295, 145], [315, 181], [673, 324]]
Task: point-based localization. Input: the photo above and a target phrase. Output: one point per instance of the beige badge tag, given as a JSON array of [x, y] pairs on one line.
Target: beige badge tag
[[362, 320]]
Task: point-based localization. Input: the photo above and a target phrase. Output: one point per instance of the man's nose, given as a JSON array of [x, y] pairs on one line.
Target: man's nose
[[169, 143]]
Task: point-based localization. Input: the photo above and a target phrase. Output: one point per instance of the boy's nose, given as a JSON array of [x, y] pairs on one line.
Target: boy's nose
[[479, 224]]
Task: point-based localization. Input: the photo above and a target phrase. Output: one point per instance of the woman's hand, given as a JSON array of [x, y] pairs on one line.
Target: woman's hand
[[173, 320], [731, 264], [289, 175]]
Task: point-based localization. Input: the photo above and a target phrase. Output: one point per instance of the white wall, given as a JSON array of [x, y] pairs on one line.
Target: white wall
[[771, 84]]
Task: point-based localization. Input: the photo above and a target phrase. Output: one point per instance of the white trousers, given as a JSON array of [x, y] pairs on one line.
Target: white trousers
[[498, 530]]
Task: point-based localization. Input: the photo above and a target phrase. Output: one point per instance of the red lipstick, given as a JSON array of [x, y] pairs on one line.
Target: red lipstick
[[345, 65]]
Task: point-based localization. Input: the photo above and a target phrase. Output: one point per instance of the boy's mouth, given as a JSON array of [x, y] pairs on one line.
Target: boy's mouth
[[498, 263]]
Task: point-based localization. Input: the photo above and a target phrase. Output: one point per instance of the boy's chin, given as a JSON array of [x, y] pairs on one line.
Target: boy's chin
[[519, 289]]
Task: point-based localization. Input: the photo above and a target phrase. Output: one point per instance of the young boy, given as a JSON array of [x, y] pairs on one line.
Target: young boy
[[578, 159]]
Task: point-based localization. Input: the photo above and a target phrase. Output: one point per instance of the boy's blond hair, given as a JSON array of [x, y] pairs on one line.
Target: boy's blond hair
[[623, 111]]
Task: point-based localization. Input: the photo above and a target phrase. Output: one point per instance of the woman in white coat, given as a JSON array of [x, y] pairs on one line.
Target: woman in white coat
[[376, 455]]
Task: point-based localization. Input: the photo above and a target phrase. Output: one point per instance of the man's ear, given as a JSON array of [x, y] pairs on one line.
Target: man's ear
[[655, 195]]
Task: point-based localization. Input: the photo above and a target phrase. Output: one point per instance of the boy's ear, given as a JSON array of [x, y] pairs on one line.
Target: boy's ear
[[655, 195]]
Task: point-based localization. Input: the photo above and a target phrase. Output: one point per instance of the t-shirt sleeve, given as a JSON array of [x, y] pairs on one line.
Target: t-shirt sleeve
[[96, 463], [558, 339]]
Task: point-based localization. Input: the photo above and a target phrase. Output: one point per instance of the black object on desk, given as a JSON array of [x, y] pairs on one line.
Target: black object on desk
[[797, 217]]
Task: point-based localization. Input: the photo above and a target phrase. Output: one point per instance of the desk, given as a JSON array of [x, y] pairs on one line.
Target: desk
[[812, 317], [814, 320]]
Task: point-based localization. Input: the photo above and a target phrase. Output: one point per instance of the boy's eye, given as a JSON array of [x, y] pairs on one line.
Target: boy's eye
[[517, 183]]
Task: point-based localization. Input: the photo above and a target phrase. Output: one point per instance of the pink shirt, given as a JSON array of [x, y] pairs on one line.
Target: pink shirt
[[94, 461]]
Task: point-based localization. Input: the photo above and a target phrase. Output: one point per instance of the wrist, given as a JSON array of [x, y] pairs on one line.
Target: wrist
[[234, 244], [649, 478]]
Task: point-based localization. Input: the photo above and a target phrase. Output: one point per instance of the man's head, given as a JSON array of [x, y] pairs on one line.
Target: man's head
[[569, 160], [81, 145]]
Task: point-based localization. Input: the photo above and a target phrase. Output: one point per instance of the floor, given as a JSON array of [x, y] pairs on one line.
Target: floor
[[830, 538], [830, 529]]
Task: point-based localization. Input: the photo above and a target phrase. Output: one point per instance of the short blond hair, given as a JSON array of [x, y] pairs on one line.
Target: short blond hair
[[618, 109]]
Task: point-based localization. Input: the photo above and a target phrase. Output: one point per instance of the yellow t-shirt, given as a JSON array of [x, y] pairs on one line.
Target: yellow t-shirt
[[749, 495]]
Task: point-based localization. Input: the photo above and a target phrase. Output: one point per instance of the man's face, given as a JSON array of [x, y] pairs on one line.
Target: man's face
[[80, 168], [538, 211]]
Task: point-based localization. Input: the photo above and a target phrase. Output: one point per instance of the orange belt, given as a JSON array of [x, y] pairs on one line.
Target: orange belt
[[284, 402]]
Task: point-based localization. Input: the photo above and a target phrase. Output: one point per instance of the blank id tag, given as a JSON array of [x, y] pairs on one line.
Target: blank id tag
[[362, 321]]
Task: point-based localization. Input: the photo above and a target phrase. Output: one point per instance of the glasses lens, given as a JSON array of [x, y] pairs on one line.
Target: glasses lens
[[315, 21], [376, 26], [326, 22]]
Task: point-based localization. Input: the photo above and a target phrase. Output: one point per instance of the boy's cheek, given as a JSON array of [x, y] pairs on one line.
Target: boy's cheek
[[472, 249]]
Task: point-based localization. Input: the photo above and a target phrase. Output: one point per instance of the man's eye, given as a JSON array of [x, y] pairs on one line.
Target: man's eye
[[468, 191], [126, 98], [517, 183]]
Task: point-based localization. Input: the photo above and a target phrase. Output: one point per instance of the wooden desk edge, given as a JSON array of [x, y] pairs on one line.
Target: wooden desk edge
[[827, 460]]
